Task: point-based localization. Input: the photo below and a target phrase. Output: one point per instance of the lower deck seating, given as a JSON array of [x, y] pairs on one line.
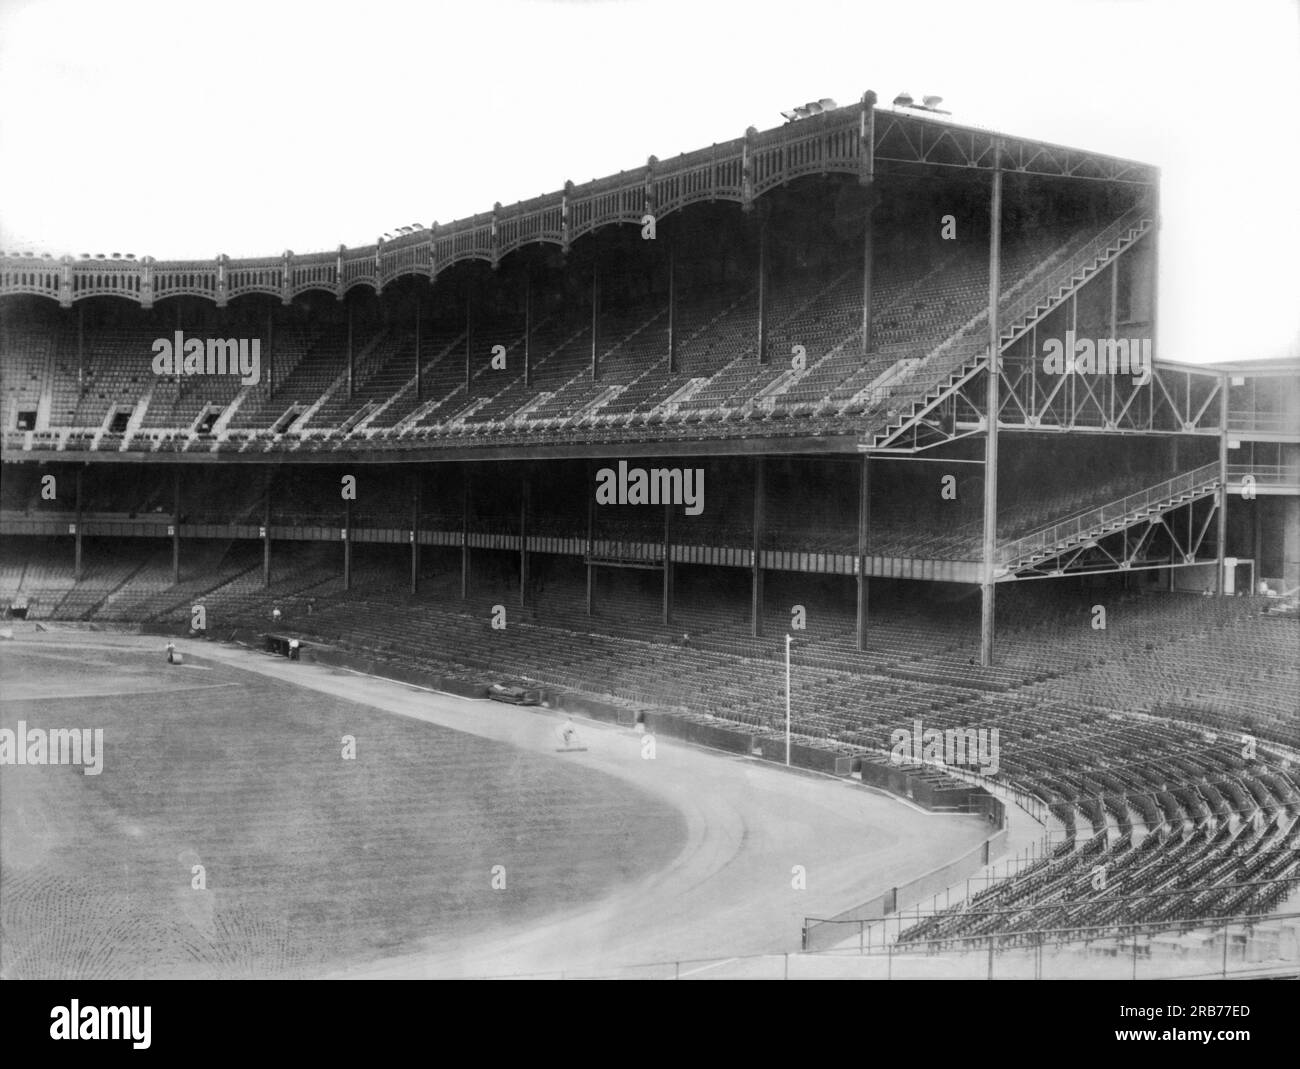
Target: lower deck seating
[[1131, 737]]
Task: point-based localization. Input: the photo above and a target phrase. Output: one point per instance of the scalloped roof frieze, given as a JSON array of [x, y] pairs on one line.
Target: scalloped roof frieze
[[739, 170]]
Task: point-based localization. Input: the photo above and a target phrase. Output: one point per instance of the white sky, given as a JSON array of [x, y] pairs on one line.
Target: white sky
[[178, 128]]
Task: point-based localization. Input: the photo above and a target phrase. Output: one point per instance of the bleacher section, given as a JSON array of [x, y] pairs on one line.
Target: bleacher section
[[1130, 736], [29, 352], [1214, 661], [921, 307]]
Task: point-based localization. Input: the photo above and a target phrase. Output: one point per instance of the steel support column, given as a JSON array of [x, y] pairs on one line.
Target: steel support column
[[1155, 275], [868, 253], [266, 530], [1072, 379], [1258, 542], [523, 540], [76, 534], [591, 539], [469, 339], [1114, 333], [419, 385], [1033, 372], [987, 588], [668, 564], [415, 533], [756, 565], [270, 352], [762, 287], [347, 545], [464, 533], [672, 306], [176, 524], [864, 518], [1221, 526], [528, 329], [351, 369], [595, 320], [81, 347]]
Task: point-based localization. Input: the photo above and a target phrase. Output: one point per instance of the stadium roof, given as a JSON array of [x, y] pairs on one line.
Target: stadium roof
[[858, 139]]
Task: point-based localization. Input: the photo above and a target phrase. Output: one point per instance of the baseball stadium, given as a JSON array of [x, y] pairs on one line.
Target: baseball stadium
[[793, 558]]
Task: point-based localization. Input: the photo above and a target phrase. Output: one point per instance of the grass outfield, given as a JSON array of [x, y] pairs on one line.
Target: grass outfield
[[312, 861]]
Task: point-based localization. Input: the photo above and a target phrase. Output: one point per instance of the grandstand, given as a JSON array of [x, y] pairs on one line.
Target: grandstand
[[787, 314]]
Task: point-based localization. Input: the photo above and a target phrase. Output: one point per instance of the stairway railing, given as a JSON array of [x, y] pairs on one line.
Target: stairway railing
[[971, 342], [1086, 522], [1010, 316]]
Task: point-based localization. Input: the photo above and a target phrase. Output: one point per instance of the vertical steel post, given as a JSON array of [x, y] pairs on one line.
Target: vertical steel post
[[1072, 376], [672, 306], [762, 287], [987, 589], [81, 348], [868, 254], [528, 330], [595, 319], [756, 564], [1034, 368], [523, 540], [266, 529], [464, 533], [1114, 333], [415, 533], [1221, 499], [591, 538], [788, 640], [864, 518], [668, 564], [347, 545], [76, 544], [1258, 542], [1155, 276], [469, 339], [176, 524]]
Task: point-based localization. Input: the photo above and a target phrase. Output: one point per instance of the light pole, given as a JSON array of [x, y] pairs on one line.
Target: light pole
[[787, 699]]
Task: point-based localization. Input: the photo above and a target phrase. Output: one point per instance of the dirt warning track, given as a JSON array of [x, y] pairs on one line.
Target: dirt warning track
[[610, 861]]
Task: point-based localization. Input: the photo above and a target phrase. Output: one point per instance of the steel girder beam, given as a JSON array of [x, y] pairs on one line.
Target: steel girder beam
[[1174, 401], [1183, 399], [923, 436], [906, 138]]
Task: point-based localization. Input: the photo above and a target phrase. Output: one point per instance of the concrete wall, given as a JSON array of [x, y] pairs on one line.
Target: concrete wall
[[822, 934]]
